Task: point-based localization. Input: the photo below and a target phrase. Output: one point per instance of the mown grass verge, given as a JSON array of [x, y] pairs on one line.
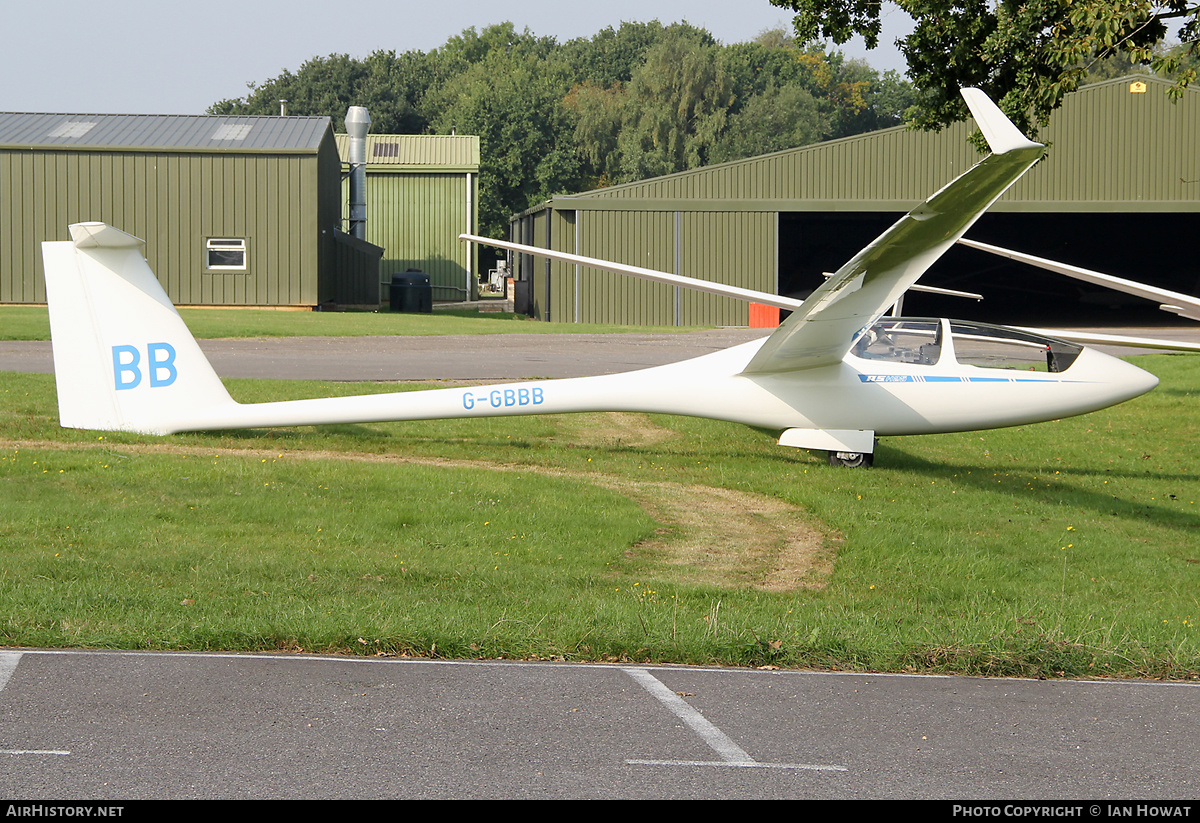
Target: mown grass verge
[[1064, 549]]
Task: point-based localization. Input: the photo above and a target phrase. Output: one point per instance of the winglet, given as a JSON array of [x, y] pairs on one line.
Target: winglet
[[1002, 136]]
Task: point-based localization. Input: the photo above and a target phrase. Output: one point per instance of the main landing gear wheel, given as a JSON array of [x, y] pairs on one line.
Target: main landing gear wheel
[[851, 460]]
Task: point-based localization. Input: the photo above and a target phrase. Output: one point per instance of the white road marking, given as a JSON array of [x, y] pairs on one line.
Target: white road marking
[[731, 754], [8, 664], [750, 765], [729, 751]]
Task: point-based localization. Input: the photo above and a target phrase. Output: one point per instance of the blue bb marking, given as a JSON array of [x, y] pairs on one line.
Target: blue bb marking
[[127, 371], [159, 364], [126, 367]]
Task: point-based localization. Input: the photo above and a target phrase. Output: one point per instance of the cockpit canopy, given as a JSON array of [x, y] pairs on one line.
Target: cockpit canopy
[[925, 341]]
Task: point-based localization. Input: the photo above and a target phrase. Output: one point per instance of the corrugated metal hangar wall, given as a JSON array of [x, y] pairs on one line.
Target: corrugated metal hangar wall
[[234, 210], [1119, 193], [422, 192]]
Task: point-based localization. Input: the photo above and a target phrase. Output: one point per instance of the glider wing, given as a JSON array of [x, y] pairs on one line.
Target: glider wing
[[834, 316]]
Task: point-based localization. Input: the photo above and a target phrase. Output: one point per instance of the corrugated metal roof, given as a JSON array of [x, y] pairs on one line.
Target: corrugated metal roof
[[161, 132], [1110, 142], [427, 151]]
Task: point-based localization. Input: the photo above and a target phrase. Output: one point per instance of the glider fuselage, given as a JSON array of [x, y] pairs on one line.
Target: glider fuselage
[[887, 396]]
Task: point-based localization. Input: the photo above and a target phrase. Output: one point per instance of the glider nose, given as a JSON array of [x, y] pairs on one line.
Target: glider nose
[[1124, 381], [1145, 380], [1132, 380], [1142, 382]]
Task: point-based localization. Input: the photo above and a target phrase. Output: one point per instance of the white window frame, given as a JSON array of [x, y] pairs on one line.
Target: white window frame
[[226, 245]]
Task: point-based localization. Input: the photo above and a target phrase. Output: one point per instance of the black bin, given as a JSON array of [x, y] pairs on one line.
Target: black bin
[[411, 292]]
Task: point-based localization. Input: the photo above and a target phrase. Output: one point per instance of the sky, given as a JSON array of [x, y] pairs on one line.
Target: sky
[[155, 57]]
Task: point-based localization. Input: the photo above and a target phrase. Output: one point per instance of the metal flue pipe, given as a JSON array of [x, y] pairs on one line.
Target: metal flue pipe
[[358, 123]]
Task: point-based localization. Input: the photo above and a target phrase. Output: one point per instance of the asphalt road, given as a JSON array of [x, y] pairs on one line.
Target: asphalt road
[[469, 357], [453, 357], [111, 726]]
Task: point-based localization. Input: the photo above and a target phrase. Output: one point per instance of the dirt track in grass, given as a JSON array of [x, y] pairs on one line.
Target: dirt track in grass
[[707, 535]]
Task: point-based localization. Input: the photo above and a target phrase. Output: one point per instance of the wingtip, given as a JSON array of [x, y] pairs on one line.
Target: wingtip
[[1000, 132]]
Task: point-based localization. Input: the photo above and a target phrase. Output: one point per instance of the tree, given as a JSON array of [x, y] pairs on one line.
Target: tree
[[598, 114], [610, 56], [852, 96], [392, 87], [678, 100], [778, 118], [1027, 54], [641, 100], [472, 47], [514, 101]]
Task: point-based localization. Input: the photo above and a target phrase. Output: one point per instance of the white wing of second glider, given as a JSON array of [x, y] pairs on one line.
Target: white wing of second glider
[[1099, 339], [1171, 301], [653, 275]]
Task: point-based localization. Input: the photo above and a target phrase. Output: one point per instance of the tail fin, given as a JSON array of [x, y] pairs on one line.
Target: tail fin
[[123, 358]]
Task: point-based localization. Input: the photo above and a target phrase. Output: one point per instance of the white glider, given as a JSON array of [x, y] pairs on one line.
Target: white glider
[[832, 377]]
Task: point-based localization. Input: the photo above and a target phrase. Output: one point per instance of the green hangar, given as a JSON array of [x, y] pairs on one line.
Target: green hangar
[[1119, 192], [421, 194], [235, 211]]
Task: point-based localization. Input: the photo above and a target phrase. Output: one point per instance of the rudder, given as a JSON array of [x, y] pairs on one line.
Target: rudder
[[123, 358]]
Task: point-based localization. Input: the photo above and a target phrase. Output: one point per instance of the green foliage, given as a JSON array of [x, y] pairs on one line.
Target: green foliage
[[1183, 60], [598, 114], [775, 119], [1027, 54], [514, 102], [327, 86], [639, 100], [610, 57], [472, 47], [677, 103]]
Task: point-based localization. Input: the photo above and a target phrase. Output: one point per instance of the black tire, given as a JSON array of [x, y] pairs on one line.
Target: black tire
[[851, 460]]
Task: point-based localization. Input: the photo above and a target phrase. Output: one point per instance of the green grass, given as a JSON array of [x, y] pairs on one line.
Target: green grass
[[1062, 549], [32, 323]]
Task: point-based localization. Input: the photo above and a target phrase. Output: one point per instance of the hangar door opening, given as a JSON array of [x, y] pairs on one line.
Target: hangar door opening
[[1147, 247]]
